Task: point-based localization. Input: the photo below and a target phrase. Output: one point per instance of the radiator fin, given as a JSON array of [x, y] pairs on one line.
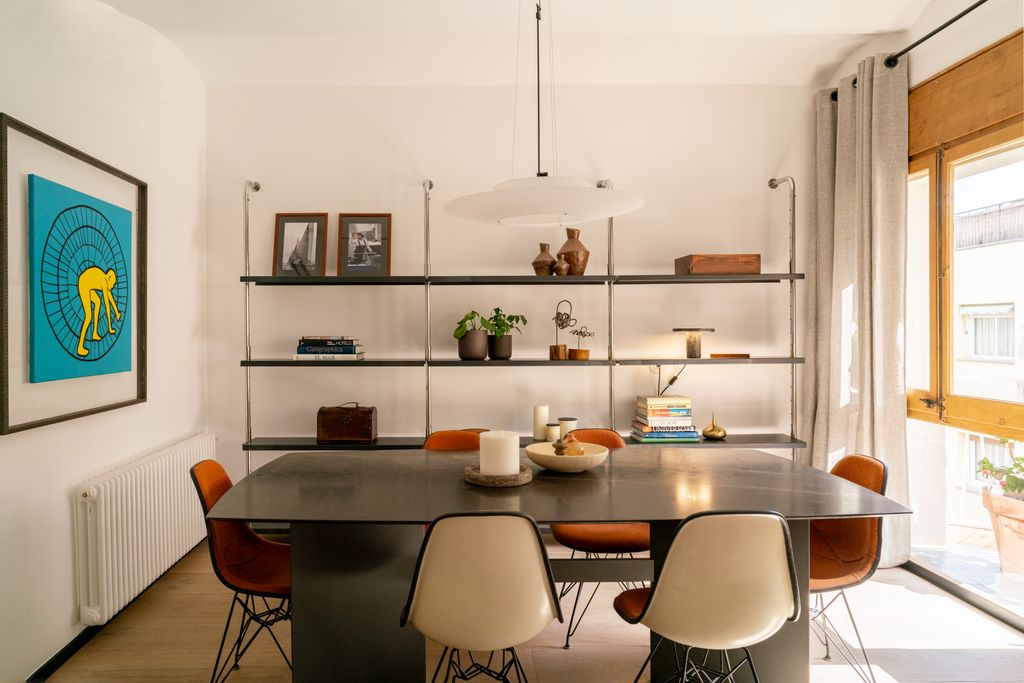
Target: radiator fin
[[133, 523]]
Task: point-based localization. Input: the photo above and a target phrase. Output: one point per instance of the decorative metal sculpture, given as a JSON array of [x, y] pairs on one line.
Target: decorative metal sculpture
[[580, 353], [563, 320]]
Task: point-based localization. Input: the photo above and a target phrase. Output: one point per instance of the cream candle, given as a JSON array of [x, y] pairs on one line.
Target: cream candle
[[551, 432], [499, 453], [540, 421], [566, 425]]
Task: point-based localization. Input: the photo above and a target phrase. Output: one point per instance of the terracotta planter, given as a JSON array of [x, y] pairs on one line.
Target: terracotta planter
[[1008, 525], [473, 345], [499, 348]]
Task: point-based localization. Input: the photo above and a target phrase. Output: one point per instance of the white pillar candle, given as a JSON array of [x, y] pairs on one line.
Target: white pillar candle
[[499, 453], [551, 432], [566, 425], [540, 421]]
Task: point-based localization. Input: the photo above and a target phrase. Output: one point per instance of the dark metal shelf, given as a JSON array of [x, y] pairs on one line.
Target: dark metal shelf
[[332, 280], [705, 279], [386, 443], [519, 280], [757, 360], [365, 363], [456, 363], [735, 441], [308, 443], [456, 280]]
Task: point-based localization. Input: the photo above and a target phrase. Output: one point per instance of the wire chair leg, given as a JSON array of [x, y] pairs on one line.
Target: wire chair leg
[[574, 621], [647, 661], [224, 636], [753, 669], [440, 660]]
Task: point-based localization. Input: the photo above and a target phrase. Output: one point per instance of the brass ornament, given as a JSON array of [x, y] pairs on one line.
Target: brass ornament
[[714, 431]]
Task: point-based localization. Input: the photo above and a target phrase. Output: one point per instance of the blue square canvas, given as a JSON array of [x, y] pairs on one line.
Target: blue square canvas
[[80, 251]]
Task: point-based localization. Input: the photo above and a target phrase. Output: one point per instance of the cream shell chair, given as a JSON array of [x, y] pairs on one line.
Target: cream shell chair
[[483, 582], [728, 582]]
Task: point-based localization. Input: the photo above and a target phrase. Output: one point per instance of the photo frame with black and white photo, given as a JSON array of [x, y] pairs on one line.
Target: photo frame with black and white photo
[[300, 244], [364, 244]]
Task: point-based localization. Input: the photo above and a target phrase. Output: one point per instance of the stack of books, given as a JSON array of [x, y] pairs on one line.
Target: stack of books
[[329, 348], [664, 419]]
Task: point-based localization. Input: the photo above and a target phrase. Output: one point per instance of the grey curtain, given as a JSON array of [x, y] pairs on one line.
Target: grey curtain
[[853, 382]]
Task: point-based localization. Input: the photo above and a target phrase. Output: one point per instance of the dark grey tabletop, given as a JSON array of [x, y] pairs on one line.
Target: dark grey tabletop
[[636, 484]]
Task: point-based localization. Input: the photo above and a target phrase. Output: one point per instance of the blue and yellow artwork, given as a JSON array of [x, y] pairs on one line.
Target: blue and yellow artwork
[[80, 252]]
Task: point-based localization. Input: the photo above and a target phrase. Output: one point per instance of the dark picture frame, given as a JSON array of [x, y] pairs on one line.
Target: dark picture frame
[[364, 244], [139, 247], [300, 244]]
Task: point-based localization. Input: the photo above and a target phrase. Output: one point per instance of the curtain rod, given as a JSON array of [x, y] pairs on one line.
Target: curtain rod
[[893, 59]]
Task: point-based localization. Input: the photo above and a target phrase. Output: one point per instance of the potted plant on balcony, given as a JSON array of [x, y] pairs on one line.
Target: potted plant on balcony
[[1007, 509], [500, 326], [472, 337]]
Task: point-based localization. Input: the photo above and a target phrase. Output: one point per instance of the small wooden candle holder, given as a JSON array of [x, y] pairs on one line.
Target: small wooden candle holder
[[558, 352], [579, 354]]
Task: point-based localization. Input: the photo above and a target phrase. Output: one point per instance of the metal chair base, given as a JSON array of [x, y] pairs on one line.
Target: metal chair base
[[455, 671], [574, 621], [827, 635], [251, 616], [689, 671]]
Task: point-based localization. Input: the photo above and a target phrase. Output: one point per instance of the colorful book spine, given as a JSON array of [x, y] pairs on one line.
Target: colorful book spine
[[665, 421], [303, 348], [325, 339], [641, 438], [665, 412], [646, 402], [328, 356], [677, 434], [640, 427]]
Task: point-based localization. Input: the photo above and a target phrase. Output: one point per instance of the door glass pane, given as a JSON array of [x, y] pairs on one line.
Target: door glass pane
[[918, 351], [988, 276]]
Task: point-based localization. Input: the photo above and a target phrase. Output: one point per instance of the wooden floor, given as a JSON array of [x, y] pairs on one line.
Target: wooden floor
[[913, 632]]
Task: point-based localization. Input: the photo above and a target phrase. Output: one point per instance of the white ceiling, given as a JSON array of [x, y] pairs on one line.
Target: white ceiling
[[458, 42]]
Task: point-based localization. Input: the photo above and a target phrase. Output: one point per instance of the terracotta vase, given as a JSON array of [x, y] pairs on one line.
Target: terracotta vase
[[473, 345], [561, 267], [574, 252], [544, 264]]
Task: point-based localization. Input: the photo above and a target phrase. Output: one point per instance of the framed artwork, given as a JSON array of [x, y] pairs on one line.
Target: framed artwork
[[364, 244], [73, 291], [300, 244]]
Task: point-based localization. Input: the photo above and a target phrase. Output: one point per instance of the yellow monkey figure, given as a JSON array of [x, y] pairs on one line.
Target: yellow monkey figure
[[94, 289]]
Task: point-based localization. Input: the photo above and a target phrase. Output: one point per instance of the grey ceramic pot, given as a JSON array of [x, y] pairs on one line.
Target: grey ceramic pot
[[473, 345], [499, 348]]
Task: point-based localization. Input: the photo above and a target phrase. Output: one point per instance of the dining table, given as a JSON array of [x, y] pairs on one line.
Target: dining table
[[357, 523]]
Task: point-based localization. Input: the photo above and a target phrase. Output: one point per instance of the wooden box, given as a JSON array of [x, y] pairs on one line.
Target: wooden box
[[349, 423], [718, 264]]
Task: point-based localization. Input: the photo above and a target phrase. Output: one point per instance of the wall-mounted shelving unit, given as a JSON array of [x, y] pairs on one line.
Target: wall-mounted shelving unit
[[610, 281]]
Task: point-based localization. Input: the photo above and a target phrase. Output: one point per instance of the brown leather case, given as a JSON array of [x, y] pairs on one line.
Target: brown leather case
[[347, 423]]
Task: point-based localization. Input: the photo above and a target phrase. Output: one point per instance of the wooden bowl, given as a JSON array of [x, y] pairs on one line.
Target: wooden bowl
[[543, 454]]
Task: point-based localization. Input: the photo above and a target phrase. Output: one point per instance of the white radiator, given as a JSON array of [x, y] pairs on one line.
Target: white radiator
[[133, 523]]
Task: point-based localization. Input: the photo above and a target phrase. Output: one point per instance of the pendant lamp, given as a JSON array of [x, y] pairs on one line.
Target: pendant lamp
[[544, 201]]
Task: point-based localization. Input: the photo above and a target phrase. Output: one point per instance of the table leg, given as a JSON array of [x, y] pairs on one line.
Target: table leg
[[783, 657], [349, 585]]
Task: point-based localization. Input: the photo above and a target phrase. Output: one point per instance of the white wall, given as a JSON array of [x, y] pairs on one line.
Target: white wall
[[114, 88], [699, 155]]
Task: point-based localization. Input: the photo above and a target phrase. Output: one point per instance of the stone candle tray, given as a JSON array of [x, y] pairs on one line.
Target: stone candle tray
[[473, 476]]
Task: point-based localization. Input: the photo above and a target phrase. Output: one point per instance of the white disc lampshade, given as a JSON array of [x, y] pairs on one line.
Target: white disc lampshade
[[544, 201]]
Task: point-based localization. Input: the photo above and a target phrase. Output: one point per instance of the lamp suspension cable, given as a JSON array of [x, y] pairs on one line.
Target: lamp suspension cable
[[540, 173], [515, 81], [893, 59], [551, 85]]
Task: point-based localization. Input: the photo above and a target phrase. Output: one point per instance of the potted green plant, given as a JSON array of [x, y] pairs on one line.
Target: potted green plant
[[1006, 510], [472, 337], [500, 326]]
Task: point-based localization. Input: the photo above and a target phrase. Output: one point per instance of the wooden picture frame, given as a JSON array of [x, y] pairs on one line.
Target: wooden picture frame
[[292, 235], [364, 244], [24, 403]]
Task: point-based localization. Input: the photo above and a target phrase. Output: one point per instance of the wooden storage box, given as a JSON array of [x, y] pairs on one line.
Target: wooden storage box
[[349, 423], [718, 264]]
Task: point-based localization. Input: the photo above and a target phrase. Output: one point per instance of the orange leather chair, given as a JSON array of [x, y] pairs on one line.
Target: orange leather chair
[[844, 553], [248, 564], [598, 539], [453, 440]]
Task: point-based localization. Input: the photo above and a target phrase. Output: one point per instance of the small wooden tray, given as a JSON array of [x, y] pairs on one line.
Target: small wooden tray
[[473, 476]]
